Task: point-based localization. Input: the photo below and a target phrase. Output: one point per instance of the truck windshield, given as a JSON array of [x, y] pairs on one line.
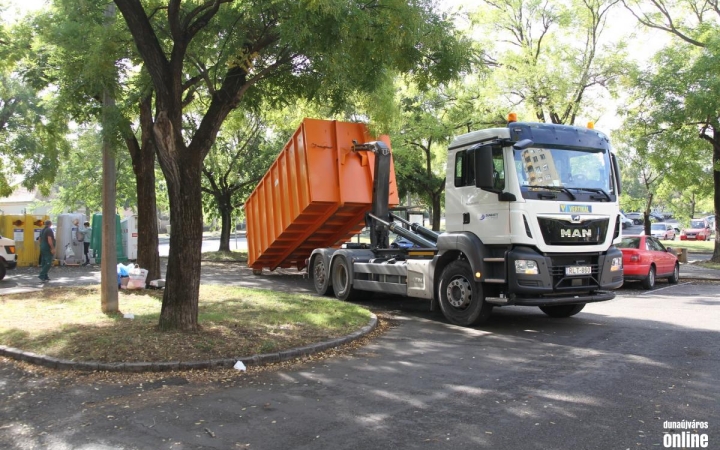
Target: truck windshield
[[582, 169]]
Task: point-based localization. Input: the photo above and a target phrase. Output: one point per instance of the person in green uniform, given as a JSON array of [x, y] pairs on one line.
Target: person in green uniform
[[47, 250]]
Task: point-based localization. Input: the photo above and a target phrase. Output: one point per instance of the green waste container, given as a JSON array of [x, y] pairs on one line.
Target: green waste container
[[96, 238]]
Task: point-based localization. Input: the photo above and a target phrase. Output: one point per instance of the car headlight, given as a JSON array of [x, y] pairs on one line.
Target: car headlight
[[616, 264], [526, 266]]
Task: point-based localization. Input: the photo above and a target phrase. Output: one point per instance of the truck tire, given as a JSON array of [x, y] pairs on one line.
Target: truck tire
[[342, 281], [319, 275], [562, 310], [3, 270], [462, 300]]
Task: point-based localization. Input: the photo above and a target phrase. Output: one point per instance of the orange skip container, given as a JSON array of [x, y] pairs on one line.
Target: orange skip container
[[314, 195]]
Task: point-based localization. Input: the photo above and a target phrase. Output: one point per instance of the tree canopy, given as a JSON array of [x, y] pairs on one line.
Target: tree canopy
[[217, 56]]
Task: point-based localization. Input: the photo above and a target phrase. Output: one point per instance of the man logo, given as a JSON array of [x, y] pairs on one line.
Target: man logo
[[575, 218], [575, 233]]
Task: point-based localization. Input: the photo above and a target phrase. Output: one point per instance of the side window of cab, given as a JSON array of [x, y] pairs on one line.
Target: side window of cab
[[464, 169], [498, 168]]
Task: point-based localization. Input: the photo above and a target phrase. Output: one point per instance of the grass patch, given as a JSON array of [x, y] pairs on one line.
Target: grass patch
[[692, 246], [708, 264], [67, 323], [231, 256]]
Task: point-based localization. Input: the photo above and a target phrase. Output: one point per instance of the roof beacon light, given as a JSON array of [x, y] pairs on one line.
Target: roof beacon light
[[591, 125], [512, 117]]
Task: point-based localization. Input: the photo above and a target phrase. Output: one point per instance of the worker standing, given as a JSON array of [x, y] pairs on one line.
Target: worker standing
[[47, 250]]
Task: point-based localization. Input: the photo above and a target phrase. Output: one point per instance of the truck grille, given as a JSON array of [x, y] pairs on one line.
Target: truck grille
[[564, 232], [561, 281]]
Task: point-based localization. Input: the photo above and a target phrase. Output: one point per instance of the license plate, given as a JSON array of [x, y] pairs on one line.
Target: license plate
[[578, 270]]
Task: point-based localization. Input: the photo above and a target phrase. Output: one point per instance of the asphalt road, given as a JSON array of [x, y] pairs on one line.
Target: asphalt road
[[606, 379]]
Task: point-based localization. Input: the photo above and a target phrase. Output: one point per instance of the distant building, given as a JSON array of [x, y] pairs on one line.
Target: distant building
[[22, 201]]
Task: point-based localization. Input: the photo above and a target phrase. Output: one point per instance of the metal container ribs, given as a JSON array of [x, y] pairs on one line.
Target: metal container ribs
[[314, 195]]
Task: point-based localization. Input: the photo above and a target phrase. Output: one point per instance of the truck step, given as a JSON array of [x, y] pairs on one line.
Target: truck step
[[494, 280], [497, 300], [494, 259]]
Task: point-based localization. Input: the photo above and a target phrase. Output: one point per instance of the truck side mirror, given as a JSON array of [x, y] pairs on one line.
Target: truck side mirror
[[523, 144], [616, 172], [484, 168]]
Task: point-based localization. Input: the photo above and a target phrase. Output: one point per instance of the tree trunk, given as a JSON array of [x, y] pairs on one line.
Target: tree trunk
[[182, 285], [148, 255], [436, 211], [716, 180], [144, 168], [646, 214], [226, 226]]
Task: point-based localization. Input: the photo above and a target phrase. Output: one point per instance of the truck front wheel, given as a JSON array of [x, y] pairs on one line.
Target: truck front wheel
[[562, 310], [3, 270], [462, 300]]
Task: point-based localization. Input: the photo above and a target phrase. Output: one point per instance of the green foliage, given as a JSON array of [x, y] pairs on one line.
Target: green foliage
[[240, 156], [79, 180], [672, 120], [32, 132], [552, 59]]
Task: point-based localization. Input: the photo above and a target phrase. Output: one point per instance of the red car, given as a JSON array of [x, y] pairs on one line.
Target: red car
[[646, 259], [699, 230]]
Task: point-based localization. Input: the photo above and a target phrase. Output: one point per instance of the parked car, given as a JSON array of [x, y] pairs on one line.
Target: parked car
[[625, 222], [401, 242], [663, 231], [699, 230], [646, 259], [711, 221], [636, 217]]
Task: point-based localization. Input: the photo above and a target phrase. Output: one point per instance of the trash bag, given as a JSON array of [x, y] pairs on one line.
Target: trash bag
[[124, 270], [138, 277]]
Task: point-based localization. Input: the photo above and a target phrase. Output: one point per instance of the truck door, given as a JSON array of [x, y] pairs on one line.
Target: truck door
[[482, 212]]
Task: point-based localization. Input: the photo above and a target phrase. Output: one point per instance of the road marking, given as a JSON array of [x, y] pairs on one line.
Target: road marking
[[666, 287]]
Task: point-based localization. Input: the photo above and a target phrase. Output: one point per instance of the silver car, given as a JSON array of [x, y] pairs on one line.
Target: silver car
[[663, 231]]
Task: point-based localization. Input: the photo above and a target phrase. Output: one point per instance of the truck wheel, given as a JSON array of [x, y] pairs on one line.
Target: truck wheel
[[675, 277], [649, 281], [562, 310], [342, 281], [257, 272], [319, 274], [461, 299], [3, 270]]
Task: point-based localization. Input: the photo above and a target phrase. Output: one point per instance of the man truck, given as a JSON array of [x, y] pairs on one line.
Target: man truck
[[531, 218]]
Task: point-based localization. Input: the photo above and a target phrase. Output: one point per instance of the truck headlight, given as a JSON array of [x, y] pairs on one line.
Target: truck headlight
[[616, 264], [526, 266]]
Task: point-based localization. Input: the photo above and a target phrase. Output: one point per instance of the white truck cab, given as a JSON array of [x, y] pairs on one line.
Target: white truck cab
[[8, 257]]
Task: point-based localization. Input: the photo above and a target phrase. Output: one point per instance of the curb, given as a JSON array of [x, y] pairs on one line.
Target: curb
[[137, 367]]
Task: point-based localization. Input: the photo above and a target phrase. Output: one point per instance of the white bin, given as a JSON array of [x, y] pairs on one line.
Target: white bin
[[129, 230]]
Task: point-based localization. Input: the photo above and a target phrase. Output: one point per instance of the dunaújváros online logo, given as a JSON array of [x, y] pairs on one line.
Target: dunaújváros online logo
[[685, 434]]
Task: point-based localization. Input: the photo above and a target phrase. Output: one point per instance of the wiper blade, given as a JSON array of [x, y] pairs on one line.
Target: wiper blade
[[557, 188], [598, 190]]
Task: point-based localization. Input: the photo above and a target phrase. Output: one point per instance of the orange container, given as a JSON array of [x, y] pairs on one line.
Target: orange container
[[314, 195]]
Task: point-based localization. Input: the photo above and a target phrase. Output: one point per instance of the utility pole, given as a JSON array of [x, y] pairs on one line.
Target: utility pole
[[108, 265]]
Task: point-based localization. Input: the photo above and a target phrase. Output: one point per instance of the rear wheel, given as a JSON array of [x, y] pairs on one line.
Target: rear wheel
[[320, 276], [461, 298], [562, 310], [649, 281], [675, 277]]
